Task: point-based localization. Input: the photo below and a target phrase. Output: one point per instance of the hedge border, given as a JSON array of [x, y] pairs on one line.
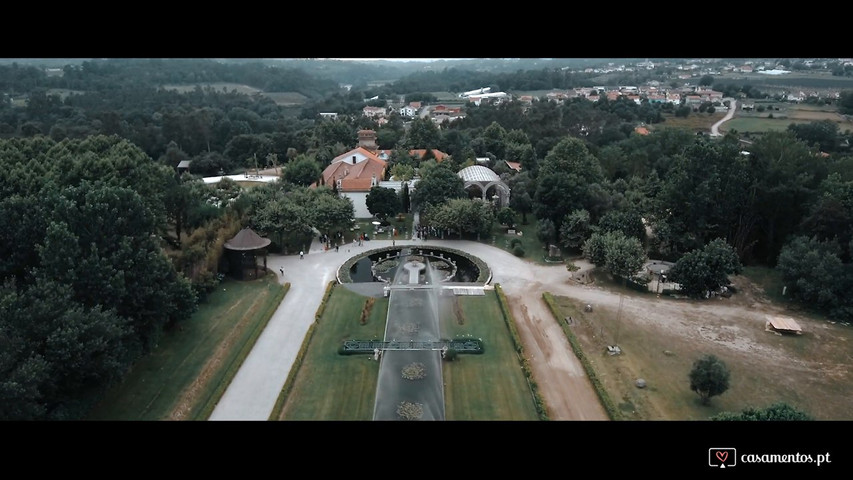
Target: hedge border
[[509, 320], [612, 412], [300, 355]]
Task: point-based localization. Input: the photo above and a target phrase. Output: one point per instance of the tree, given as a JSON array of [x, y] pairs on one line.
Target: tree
[[464, 215], [382, 202], [815, 275], [628, 222], [402, 172], [780, 411], [709, 377], [845, 102], [620, 255], [594, 248], [494, 138], [566, 179], [330, 213], [423, 133], [788, 177], [521, 200], [303, 171], [405, 199], [623, 256], [281, 216], [437, 186], [506, 216], [822, 133], [575, 229], [705, 269], [546, 231]]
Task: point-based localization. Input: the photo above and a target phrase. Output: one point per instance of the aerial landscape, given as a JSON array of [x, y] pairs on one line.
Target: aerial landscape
[[524, 240]]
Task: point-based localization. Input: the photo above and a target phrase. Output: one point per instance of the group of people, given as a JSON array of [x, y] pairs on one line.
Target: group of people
[[424, 231]]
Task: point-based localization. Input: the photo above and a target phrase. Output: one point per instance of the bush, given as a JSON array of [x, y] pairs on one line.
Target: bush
[[518, 251], [514, 242]]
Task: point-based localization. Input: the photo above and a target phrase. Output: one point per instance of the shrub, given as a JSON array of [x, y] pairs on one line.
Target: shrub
[[514, 242], [518, 251]]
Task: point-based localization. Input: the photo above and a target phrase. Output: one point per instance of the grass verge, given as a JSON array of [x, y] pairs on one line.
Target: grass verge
[[185, 375]]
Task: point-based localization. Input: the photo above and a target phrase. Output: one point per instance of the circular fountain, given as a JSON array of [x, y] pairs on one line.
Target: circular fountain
[[381, 265]]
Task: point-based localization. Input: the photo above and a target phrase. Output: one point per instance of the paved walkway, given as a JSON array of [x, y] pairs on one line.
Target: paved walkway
[[255, 389]]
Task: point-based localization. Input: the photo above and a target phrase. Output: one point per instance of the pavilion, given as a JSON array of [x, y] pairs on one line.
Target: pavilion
[[242, 252], [485, 183]]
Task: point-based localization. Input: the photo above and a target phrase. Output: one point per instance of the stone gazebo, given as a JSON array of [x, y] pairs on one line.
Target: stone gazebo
[[242, 252], [485, 183]]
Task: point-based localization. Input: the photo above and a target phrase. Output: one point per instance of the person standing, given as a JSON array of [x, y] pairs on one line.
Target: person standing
[[281, 269], [300, 254]]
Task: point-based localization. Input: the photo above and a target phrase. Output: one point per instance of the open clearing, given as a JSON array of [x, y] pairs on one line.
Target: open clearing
[[660, 339]]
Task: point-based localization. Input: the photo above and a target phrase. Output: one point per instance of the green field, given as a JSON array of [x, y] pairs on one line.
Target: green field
[[779, 116], [190, 368], [220, 87], [287, 99], [329, 386], [490, 386]]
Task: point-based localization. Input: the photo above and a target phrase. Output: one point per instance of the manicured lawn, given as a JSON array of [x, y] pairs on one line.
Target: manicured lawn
[[193, 364], [329, 386], [491, 385]]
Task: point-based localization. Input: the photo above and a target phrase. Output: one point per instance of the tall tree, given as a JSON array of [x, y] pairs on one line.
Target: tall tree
[[788, 175], [565, 181], [422, 133], [521, 200], [405, 199], [815, 275], [438, 185], [382, 202], [705, 269], [303, 171], [575, 229]]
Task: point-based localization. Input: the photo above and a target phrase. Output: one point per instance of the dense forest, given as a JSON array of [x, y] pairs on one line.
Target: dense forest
[[106, 247]]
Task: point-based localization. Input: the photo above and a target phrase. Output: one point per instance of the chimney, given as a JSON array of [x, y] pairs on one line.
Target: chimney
[[353, 159]]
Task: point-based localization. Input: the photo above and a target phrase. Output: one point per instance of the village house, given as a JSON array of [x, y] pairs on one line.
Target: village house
[[353, 174]]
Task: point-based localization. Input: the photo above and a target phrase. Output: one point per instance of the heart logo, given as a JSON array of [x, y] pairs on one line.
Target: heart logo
[[722, 456]]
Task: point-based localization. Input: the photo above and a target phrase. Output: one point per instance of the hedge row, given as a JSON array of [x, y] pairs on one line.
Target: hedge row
[[608, 404], [541, 409], [322, 306]]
